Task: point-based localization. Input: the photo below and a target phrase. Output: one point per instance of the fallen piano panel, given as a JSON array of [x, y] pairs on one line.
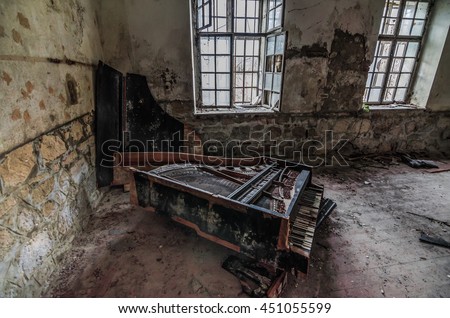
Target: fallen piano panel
[[263, 208]]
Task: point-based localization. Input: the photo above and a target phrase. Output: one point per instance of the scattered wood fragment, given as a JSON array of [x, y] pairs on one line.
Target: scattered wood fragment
[[434, 240]]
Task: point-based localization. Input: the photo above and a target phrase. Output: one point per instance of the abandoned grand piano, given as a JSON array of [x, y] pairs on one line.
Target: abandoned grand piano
[[261, 207]]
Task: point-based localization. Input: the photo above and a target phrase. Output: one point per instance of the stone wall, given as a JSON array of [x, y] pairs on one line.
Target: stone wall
[[378, 131], [47, 191], [48, 53]]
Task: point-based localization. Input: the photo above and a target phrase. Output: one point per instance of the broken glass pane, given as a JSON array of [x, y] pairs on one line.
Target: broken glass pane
[[392, 80], [389, 26], [385, 48]]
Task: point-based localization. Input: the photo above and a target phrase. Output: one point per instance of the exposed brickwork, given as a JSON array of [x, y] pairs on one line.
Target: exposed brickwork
[[48, 189]]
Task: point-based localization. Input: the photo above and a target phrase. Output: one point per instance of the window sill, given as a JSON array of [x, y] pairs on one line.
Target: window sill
[[234, 111], [395, 107]]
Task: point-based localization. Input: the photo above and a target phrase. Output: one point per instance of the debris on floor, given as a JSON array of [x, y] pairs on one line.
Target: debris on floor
[[434, 240], [418, 163], [256, 280]]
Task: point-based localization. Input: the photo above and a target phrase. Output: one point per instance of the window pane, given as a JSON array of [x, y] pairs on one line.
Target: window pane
[[249, 47], [389, 95], [277, 82], [247, 95], [413, 47], [422, 10], [271, 19], [239, 67], [405, 27], [223, 45], [208, 81], [239, 80], [248, 80], [274, 100], [396, 64], [239, 25], [400, 95], [408, 65], [252, 9], [400, 49], [404, 80], [268, 81], [248, 64], [388, 27], [223, 98], [239, 47], [239, 8], [278, 14], [207, 64], [270, 45], [238, 95], [207, 45], [417, 28], [208, 98], [392, 80], [221, 25], [271, 4], [393, 9], [221, 7], [369, 80], [279, 47], [223, 63], [374, 95], [223, 81], [378, 79], [385, 48], [381, 65], [410, 9]]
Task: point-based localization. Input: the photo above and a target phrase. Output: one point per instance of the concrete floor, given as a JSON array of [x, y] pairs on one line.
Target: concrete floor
[[369, 247]]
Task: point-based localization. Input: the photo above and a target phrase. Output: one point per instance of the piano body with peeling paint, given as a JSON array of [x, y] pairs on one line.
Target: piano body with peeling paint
[[261, 207]]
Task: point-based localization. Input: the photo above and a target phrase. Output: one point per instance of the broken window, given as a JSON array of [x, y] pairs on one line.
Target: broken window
[[240, 53], [396, 53]]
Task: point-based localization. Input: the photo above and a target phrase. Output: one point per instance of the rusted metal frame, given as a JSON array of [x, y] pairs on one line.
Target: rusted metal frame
[[261, 190], [250, 182], [221, 174], [212, 198]]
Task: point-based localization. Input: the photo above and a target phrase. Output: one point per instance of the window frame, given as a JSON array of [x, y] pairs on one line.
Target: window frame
[[261, 36], [394, 39]]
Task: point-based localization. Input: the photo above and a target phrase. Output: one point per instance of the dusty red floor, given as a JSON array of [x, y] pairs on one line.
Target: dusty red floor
[[369, 247]]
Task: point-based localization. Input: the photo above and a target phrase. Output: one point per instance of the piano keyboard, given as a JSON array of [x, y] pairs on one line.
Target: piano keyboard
[[303, 226]]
